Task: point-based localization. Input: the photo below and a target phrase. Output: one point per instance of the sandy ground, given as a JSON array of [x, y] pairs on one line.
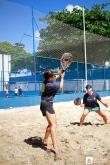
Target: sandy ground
[[22, 130]]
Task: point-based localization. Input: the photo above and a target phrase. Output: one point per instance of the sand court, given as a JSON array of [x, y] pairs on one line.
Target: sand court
[[22, 130]]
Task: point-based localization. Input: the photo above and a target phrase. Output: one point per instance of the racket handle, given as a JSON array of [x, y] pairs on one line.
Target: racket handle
[[62, 70], [60, 73]]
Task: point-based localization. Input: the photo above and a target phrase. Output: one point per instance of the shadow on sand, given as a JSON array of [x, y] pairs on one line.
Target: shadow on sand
[[36, 142], [86, 124]]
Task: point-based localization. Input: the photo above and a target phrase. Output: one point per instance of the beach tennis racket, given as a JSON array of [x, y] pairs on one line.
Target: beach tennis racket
[[66, 61], [77, 101]]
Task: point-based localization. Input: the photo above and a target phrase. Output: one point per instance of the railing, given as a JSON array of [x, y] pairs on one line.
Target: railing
[[70, 86]]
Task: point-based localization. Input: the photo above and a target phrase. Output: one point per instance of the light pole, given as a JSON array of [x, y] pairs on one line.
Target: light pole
[[3, 73], [34, 54], [85, 50], [70, 9]]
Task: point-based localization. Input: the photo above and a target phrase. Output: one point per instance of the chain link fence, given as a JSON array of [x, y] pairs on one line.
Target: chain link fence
[[98, 77]]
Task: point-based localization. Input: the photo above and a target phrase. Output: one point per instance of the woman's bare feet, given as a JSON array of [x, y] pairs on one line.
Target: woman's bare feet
[[45, 142], [55, 151]]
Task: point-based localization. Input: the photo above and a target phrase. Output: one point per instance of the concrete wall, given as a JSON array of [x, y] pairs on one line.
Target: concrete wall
[[5, 70]]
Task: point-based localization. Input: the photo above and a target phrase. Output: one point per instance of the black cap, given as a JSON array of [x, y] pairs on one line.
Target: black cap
[[48, 74], [88, 87]]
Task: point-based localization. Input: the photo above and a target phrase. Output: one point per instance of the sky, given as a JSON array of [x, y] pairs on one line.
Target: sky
[[16, 20]]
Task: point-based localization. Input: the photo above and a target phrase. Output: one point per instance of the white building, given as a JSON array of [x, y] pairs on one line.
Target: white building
[[5, 70]]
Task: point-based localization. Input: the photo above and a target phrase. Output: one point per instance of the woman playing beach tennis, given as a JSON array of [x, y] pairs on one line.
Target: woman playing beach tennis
[[91, 104], [49, 89]]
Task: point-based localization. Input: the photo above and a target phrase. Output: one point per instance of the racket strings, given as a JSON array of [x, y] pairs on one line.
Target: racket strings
[[66, 60]]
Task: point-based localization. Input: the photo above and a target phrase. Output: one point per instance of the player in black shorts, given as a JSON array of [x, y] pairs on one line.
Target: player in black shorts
[[49, 89], [91, 104]]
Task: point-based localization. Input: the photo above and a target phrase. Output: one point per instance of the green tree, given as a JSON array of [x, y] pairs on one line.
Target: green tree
[[20, 59], [65, 33], [6, 48]]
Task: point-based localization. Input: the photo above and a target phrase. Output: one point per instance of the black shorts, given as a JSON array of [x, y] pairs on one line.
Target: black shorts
[[46, 106]]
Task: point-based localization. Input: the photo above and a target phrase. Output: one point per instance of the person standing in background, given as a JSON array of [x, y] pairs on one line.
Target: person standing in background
[[16, 91], [6, 92], [19, 91]]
